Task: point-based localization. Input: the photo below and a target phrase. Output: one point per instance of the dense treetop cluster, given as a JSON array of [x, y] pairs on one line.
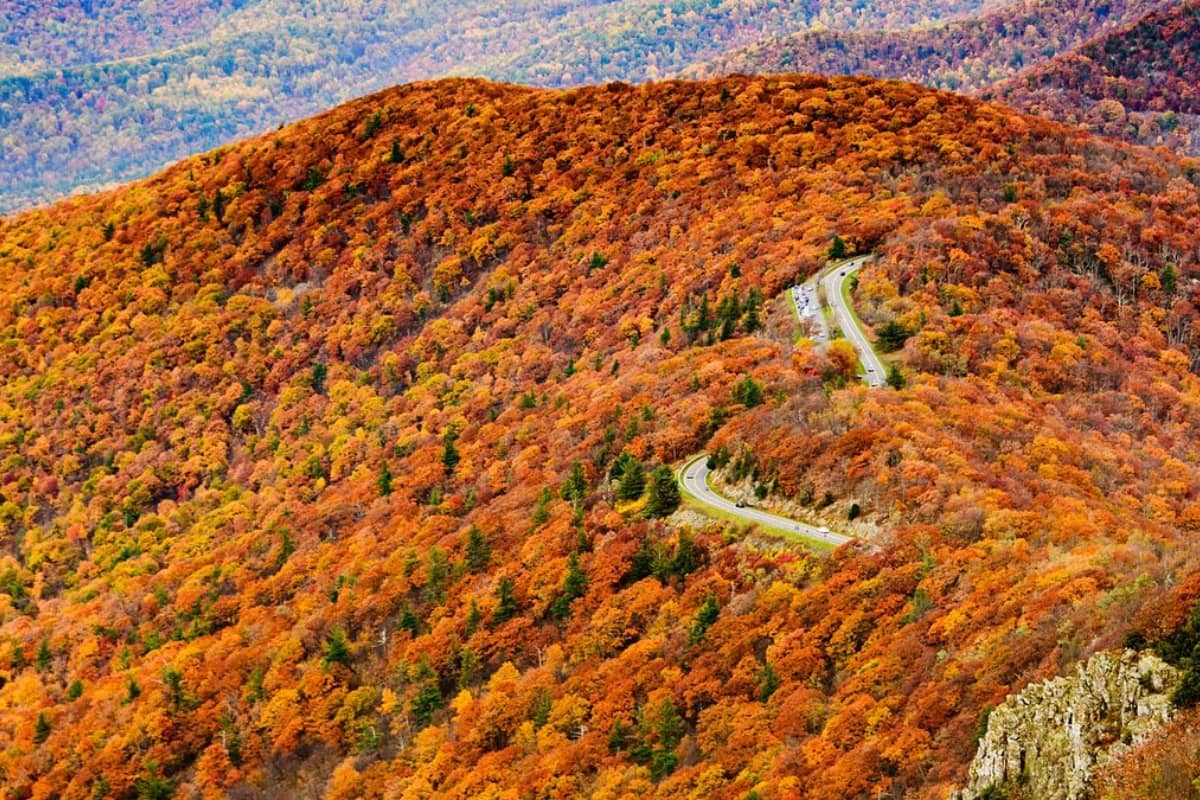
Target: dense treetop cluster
[[335, 462], [1138, 83]]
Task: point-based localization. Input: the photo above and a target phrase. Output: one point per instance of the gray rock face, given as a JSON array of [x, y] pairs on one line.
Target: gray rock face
[[1046, 741]]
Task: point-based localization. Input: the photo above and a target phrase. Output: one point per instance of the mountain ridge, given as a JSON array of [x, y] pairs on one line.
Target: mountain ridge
[[107, 124], [966, 54], [315, 447], [1136, 83], [1086, 66]]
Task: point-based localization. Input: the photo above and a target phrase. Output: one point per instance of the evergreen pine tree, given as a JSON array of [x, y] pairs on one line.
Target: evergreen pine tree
[[892, 336], [837, 249], [664, 493], [768, 682], [409, 621], [385, 480], [474, 617], [450, 456], [575, 487], [44, 657], [632, 482], [41, 728], [337, 649], [506, 602], [705, 617], [479, 551], [574, 585], [748, 392], [428, 698], [1168, 279]]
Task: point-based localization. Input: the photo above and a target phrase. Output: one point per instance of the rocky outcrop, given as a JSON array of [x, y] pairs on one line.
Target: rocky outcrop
[[1046, 741]]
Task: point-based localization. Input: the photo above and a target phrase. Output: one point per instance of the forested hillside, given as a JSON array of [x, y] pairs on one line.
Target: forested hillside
[[1127, 69], [94, 92], [42, 35], [1141, 83], [331, 459], [964, 55]]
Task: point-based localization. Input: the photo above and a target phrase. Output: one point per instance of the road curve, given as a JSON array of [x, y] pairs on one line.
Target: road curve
[[833, 281], [694, 475], [694, 478]]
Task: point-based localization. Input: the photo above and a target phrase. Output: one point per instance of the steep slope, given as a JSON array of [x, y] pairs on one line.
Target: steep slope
[[307, 445], [965, 55], [1138, 84], [95, 92]]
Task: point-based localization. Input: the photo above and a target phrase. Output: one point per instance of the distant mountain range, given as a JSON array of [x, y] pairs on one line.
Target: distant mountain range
[[1140, 83], [963, 55], [1122, 68], [94, 92]]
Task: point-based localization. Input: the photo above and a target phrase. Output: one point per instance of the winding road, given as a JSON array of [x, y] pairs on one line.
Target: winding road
[[695, 483], [833, 282], [693, 477]]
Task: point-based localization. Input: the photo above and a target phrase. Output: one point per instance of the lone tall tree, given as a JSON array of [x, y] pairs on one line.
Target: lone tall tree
[[575, 486], [385, 480], [450, 456], [479, 551], [837, 249], [664, 493], [633, 481]]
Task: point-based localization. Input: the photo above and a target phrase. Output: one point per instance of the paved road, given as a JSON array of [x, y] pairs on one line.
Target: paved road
[[694, 475], [876, 375], [695, 483]]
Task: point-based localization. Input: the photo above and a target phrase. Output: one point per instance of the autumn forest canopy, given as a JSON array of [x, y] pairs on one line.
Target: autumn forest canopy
[[334, 460]]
